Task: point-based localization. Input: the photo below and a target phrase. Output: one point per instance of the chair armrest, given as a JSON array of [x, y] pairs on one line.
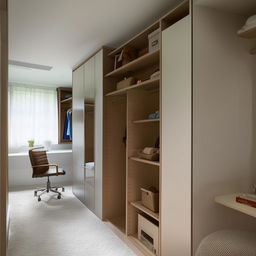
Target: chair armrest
[[47, 165]]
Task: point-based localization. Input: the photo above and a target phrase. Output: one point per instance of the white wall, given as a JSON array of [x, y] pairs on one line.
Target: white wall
[[223, 127], [20, 171]]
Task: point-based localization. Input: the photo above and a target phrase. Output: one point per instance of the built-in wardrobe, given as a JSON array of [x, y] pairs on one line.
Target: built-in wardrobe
[[205, 128], [88, 131]]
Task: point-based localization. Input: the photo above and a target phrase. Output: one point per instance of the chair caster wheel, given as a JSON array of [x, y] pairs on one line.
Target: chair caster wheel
[[59, 197], [63, 189], [35, 193], [39, 199]]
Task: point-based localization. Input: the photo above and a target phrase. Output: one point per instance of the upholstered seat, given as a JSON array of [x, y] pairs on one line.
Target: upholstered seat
[[51, 172], [228, 243]]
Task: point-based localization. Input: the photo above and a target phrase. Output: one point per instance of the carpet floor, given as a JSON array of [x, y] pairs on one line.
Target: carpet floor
[[55, 227]]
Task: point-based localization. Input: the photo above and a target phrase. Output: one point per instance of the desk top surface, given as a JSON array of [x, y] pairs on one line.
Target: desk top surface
[[230, 201], [61, 151]]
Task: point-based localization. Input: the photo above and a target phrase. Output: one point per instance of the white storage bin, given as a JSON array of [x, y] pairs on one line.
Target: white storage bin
[[148, 234], [154, 40]]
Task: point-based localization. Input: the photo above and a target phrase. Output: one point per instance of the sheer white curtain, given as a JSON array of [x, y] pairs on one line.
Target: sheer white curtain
[[32, 115]]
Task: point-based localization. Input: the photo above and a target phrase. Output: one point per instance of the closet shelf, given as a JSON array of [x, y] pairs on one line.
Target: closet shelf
[[66, 100], [248, 33], [137, 159], [146, 121], [134, 239], [137, 41], [148, 85], [146, 60], [142, 208]]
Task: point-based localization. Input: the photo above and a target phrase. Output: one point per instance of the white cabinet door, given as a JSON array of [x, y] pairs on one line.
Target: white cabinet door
[[78, 133], [89, 127], [176, 140]]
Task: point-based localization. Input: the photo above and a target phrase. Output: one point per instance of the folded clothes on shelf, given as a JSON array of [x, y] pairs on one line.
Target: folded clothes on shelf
[[154, 115]]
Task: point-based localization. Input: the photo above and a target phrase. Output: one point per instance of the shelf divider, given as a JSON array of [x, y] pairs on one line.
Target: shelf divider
[[137, 159], [66, 100], [141, 207], [248, 33], [137, 64], [148, 84], [146, 121]]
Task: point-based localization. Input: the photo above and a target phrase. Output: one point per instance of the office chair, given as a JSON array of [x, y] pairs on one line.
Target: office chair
[[42, 168]]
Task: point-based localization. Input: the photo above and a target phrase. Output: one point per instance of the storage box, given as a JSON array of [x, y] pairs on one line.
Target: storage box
[[125, 83], [154, 40], [150, 199], [148, 234]]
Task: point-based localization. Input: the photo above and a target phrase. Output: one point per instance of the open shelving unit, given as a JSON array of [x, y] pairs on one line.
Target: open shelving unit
[[127, 130]]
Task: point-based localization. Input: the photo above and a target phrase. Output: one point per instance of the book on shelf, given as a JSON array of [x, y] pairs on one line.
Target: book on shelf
[[247, 199]]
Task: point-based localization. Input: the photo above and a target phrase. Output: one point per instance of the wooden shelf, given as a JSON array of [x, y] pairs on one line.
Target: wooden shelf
[[230, 202], [141, 207], [137, 41], [146, 121], [134, 239], [137, 64], [66, 100], [148, 85], [137, 159], [248, 33]]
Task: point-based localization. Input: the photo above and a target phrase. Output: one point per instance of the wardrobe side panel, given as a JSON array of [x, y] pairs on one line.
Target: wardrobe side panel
[[89, 99], [78, 133], [176, 140], [98, 78]]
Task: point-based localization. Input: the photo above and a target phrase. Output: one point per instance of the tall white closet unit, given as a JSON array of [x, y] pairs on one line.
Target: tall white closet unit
[[87, 146], [176, 139]]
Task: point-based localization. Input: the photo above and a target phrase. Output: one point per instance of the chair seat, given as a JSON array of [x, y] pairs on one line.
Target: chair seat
[[51, 172], [228, 243]]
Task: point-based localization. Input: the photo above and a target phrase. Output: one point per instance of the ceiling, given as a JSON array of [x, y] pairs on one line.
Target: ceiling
[[60, 33]]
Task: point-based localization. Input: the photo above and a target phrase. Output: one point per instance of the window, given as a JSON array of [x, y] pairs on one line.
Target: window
[[32, 115]]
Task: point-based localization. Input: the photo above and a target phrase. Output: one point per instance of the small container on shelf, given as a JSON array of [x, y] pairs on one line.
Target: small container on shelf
[[154, 40], [148, 234], [126, 82], [150, 198], [149, 153]]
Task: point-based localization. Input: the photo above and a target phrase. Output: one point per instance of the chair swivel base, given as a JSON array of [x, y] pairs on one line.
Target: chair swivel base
[[40, 191]]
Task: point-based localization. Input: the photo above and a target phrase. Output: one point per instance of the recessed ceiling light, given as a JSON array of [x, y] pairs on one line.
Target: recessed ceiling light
[[29, 65]]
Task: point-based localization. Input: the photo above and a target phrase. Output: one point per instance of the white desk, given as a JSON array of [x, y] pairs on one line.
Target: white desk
[[230, 202], [61, 151]]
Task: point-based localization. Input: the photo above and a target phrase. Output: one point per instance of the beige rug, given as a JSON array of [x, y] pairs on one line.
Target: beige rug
[[55, 227]]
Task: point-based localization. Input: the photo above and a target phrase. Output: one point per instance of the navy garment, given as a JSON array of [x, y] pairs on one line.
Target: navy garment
[[67, 133]]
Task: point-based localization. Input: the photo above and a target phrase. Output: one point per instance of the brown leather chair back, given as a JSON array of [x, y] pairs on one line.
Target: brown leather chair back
[[38, 157]]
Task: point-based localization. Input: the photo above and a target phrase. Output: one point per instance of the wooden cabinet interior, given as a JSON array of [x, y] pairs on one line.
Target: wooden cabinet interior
[[64, 96]]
